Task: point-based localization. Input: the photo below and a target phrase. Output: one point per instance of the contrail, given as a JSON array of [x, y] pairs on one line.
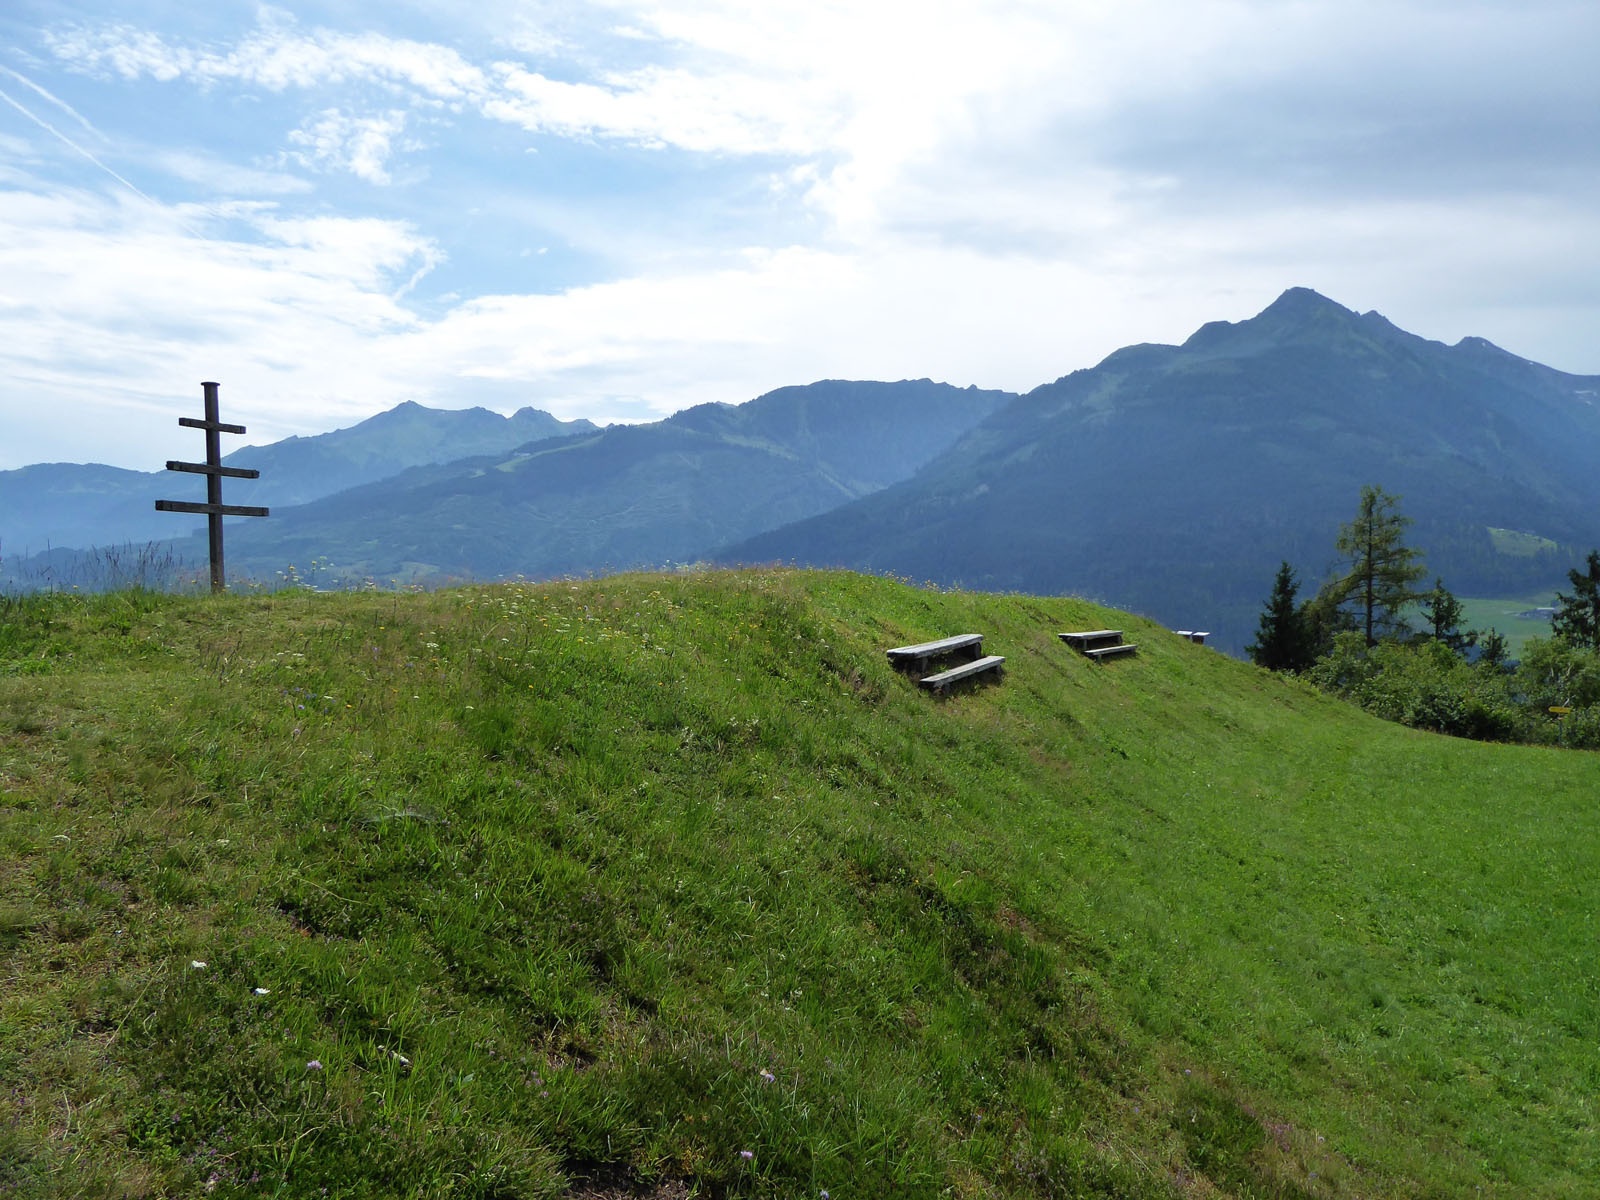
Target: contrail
[[72, 145], [56, 100]]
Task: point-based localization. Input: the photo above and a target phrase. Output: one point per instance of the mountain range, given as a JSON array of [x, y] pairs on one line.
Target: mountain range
[[629, 495], [1167, 479], [78, 506], [1173, 479]]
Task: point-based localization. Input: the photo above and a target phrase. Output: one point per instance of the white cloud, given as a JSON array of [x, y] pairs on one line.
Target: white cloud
[[219, 176], [360, 145], [276, 56], [153, 307], [724, 114], [15, 150]]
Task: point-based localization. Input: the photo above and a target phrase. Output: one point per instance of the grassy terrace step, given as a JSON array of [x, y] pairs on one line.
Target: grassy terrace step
[[668, 882]]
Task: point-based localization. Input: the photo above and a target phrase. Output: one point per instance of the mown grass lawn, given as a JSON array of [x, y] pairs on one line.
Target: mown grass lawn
[[668, 884]]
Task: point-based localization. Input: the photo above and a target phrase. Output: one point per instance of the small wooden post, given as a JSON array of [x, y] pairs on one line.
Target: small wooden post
[[213, 470]]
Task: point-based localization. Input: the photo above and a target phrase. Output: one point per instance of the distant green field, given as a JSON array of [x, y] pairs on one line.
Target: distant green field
[[660, 886], [1518, 544], [1514, 618]]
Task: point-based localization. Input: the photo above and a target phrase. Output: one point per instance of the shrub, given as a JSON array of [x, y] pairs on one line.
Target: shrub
[[1427, 686], [1554, 672]]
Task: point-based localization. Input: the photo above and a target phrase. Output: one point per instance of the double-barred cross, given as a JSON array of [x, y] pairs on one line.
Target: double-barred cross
[[214, 509]]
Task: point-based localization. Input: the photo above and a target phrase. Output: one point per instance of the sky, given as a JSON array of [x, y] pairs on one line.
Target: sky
[[619, 208]]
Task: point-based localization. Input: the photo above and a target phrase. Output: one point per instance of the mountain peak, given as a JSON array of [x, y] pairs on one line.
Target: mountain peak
[[1299, 311], [1301, 302]]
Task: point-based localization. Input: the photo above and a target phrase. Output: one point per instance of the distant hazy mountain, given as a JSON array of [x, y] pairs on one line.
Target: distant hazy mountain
[[298, 470], [1173, 479], [626, 496], [77, 505]]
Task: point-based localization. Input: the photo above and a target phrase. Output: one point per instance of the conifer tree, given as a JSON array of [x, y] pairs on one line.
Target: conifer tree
[[1577, 617], [1495, 651], [1442, 611], [1283, 639], [1383, 571]]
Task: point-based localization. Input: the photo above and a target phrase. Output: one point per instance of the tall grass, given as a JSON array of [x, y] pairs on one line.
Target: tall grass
[[151, 566]]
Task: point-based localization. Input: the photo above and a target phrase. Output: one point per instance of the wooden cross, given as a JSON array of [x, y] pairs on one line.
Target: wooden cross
[[213, 470]]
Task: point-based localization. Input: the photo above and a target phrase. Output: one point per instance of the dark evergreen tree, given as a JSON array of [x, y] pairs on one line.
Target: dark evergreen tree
[[1493, 651], [1283, 638], [1442, 611], [1383, 573], [1324, 621], [1577, 617]]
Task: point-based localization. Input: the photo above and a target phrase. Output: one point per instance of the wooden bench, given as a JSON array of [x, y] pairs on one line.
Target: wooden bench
[[916, 658], [1099, 643], [1194, 635], [965, 647], [940, 683]]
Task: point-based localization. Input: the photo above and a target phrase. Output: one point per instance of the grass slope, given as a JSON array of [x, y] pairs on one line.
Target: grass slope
[[668, 885]]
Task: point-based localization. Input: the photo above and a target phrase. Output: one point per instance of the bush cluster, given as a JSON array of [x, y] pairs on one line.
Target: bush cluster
[[1427, 685]]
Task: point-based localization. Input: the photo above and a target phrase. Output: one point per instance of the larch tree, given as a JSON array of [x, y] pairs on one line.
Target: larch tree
[[1383, 572]]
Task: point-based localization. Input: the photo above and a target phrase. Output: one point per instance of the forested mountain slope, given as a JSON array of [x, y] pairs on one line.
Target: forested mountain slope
[[1174, 479]]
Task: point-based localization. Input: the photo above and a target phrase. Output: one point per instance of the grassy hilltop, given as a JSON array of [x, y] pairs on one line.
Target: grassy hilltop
[[669, 885]]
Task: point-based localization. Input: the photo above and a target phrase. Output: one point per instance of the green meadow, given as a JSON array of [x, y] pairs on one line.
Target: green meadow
[[1515, 618], [668, 886]]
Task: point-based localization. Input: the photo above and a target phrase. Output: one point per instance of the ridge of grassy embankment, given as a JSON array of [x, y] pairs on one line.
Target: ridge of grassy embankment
[[669, 885]]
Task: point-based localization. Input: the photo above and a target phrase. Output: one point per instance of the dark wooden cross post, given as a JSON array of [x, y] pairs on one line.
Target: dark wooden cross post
[[213, 470]]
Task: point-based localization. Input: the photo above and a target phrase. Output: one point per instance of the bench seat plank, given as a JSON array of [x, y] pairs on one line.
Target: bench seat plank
[[977, 666], [1112, 651], [923, 651]]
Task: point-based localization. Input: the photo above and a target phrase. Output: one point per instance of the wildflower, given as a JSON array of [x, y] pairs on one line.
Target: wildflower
[[747, 1155], [767, 1077], [263, 991], [197, 964], [314, 1064]]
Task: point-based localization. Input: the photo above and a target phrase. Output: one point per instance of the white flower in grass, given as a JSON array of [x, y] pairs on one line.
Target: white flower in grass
[[314, 1064], [197, 964]]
